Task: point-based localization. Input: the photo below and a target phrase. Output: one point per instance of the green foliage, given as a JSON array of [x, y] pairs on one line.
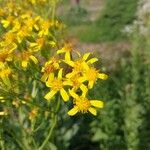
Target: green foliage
[[115, 16]]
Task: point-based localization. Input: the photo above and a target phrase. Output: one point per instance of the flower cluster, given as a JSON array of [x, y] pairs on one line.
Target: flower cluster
[[24, 35], [27, 39], [72, 78]]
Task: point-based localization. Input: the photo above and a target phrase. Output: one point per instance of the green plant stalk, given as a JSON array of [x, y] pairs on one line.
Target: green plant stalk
[[132, 114], [53, 11], [54, 123], [24, 134]]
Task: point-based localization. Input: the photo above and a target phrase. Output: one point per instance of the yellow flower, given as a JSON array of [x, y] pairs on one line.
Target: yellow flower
[[91, 75], [83, 105], [7, 22], [5, 55], [67, 49], [49, 68], [45, 26], [26, 57], [76, 84], [16, 25], [32, 23], [80, 65], [23, 33], [36, 46], [56, 85], [9, 38]]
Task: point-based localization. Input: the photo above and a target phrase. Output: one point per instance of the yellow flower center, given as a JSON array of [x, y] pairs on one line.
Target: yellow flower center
[[3, 56], [49, 68], [78, 67], [9, 37], [83, 104], [75, 81], [57, 84], [46, 25], [5, 72], [25, 55], [40, 42], [92, 74]]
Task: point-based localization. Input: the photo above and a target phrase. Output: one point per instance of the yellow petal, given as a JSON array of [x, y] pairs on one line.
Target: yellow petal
[[102, 76], [70, 75], [82, 79], [73, 111], [44, 77], [90, 85], [33, 44], [67, 83], [5, 23], [93, 60], [84, 90], [97, 103], [24, 64], [60, 51], [64, 95], [85, 56], [85, 65], [60, 74], [51, 77], [34, 59], [36, 27], [73, 94], [92, 111], [70, 63], [67, 56], [50, 94], [50, 80]]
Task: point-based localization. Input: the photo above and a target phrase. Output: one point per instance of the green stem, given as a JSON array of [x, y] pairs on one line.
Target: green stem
[[54, 123], [53, 11], [2, 145]]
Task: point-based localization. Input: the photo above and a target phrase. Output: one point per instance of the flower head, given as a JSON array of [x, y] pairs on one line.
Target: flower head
[[83, 105], [56, 85]]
